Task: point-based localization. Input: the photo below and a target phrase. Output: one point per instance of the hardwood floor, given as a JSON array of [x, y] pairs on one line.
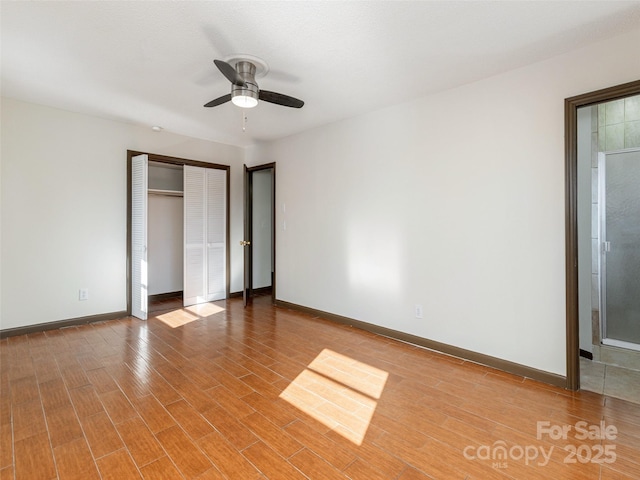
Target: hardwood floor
[[222, 392]]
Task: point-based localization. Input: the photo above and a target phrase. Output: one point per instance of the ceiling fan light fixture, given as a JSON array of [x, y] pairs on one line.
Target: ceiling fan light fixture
[[244, 101]]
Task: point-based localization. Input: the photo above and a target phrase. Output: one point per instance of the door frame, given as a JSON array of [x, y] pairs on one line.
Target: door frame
[[173, 161], [571, 106], [247, 291]]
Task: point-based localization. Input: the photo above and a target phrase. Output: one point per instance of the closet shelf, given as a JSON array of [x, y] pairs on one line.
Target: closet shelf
[[170, 193]]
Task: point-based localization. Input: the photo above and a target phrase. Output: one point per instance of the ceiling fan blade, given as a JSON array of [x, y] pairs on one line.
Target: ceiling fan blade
[[280, 99], [230, 72], [219, 101]]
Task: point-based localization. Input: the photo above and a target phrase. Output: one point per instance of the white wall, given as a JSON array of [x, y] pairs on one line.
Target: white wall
[[164, 176], [584, 228], [165, 244], [262, 227], [64, 211], [455, 202], [165, 222]]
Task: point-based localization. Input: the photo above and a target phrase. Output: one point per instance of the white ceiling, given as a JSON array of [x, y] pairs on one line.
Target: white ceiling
[[151, 63]]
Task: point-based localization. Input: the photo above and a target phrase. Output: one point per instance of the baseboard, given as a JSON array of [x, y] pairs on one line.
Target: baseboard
[[262, 290], [41, 327], [255, 291], [585, 354], [164, 296], [487, 360]]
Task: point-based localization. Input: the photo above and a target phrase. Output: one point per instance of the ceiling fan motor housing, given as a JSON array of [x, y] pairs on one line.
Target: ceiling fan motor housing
[[247, 71]]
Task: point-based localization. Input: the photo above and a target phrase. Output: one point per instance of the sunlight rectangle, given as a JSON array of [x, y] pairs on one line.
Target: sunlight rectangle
[[177, 318], [205, 309], [352, 373], [182, 316], [339, 392]]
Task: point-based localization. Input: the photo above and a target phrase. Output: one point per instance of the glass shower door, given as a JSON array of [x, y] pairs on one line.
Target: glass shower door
[[620, 247]]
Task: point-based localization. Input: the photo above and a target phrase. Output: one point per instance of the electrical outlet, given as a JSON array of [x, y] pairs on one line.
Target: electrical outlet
[[83, 294], [418, 311]]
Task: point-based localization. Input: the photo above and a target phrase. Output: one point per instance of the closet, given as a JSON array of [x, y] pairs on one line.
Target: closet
[[165, 242], [178, 231]]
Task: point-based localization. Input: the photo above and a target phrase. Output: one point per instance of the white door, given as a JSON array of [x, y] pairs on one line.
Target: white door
[[204, 234], [139, 276], [216, 234]]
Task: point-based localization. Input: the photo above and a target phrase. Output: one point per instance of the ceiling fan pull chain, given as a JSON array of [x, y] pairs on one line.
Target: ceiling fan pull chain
[[244, 120]]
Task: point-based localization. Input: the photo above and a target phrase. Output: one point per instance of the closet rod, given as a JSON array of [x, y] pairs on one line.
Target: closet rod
[[167, 193]]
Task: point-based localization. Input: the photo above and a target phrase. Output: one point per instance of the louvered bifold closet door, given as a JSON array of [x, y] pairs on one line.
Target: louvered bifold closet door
[[194, 240], [204, 234], [139, 280], [216, 234]]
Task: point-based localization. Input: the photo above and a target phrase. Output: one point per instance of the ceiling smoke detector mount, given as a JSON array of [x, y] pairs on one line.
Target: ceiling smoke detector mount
[[262, 68]]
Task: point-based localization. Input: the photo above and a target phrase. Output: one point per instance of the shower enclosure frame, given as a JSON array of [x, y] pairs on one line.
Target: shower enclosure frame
[[604, 246]]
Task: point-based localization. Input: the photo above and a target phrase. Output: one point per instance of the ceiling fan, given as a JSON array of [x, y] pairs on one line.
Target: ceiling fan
[[245, 92]]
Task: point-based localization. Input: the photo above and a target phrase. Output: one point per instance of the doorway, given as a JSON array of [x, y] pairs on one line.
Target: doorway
[[165, 238], [259, 232], [583, 207]]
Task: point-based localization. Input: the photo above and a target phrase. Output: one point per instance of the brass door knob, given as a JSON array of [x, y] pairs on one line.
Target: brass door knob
[[244, 243]]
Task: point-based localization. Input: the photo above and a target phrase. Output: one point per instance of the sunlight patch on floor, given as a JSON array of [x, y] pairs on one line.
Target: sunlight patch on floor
[[205, 309], [182, 316], [339, 392]]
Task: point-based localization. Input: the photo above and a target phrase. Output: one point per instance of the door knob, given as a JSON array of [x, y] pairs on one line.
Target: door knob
[[244, 243]]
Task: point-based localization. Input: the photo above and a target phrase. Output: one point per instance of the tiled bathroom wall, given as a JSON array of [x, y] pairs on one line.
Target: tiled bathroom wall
[[619, 124]]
